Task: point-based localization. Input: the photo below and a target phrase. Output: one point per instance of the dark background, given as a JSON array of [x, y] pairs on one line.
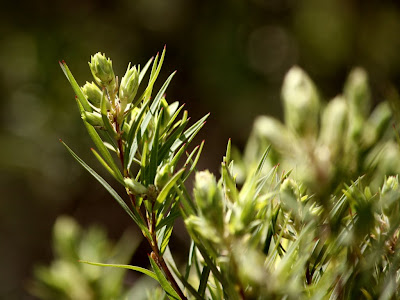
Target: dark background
[[231, 57]]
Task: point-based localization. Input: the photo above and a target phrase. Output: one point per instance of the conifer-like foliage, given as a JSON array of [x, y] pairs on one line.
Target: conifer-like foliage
[[325, 225]]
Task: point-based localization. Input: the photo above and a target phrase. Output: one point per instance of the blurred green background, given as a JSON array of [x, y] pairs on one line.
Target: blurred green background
[[231, 57]]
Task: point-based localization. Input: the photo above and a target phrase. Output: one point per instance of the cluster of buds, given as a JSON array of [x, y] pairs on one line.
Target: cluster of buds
[[105, 88], [339, 139]]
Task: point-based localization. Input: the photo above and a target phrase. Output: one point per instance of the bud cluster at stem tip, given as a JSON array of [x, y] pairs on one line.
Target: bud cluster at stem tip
[[102, 71]]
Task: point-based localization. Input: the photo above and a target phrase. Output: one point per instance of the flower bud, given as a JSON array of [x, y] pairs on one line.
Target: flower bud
[[135, 187], [209, 198], [357, 93], [199, 226], [102, 71], [333, 125], [290, 196], [377, 124], [93, 119], [391, 184], [128, 87], [301, 102], [66, 233], [92, 93], [274, 132], [389, 196], [162, 177]]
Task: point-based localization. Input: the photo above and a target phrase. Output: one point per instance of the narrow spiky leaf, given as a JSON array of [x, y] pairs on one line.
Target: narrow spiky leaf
[[78, 92]]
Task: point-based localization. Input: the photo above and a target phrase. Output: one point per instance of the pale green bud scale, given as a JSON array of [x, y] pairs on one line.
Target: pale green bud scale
[[102, 71], [92, 93], [135, 187], [301, 102]]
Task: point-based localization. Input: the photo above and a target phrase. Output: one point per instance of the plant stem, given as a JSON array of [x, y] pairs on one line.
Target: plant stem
[[151, 223], [159, 259], [161, 263]]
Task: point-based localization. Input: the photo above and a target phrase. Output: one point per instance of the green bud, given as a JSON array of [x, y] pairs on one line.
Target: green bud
[[333, 125], [102, 71], [92, 93], [199, 226], [162, 177], [128, 87], [209, 197], [135, 187], [66, 234], [377, 124], [391, 184], [274, 132], [357, 93], [93, 119], [389, 196], [301, 102], [167, 112], [290, 197]]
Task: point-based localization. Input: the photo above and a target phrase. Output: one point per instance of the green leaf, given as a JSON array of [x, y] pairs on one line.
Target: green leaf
[[143, 167], [151, 113], [212, 266], [166, 147], [113, 193], [227, 158], [131, 142], [164, 192], [172, 120], [191, 259], [188, 206], [144, 70], [129, 267], [107, 167], [190, 133], [171, 293], [81, 97], [101, 147], [153, 76], [153, 164], [175, 159], [203, 280], [167, 220], [108, 141], [193, 163], [186, 284], [262, 161], [229, 185], [166, 236]]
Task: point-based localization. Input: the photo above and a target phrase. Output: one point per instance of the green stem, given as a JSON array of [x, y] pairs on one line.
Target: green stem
[[151, 222]]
